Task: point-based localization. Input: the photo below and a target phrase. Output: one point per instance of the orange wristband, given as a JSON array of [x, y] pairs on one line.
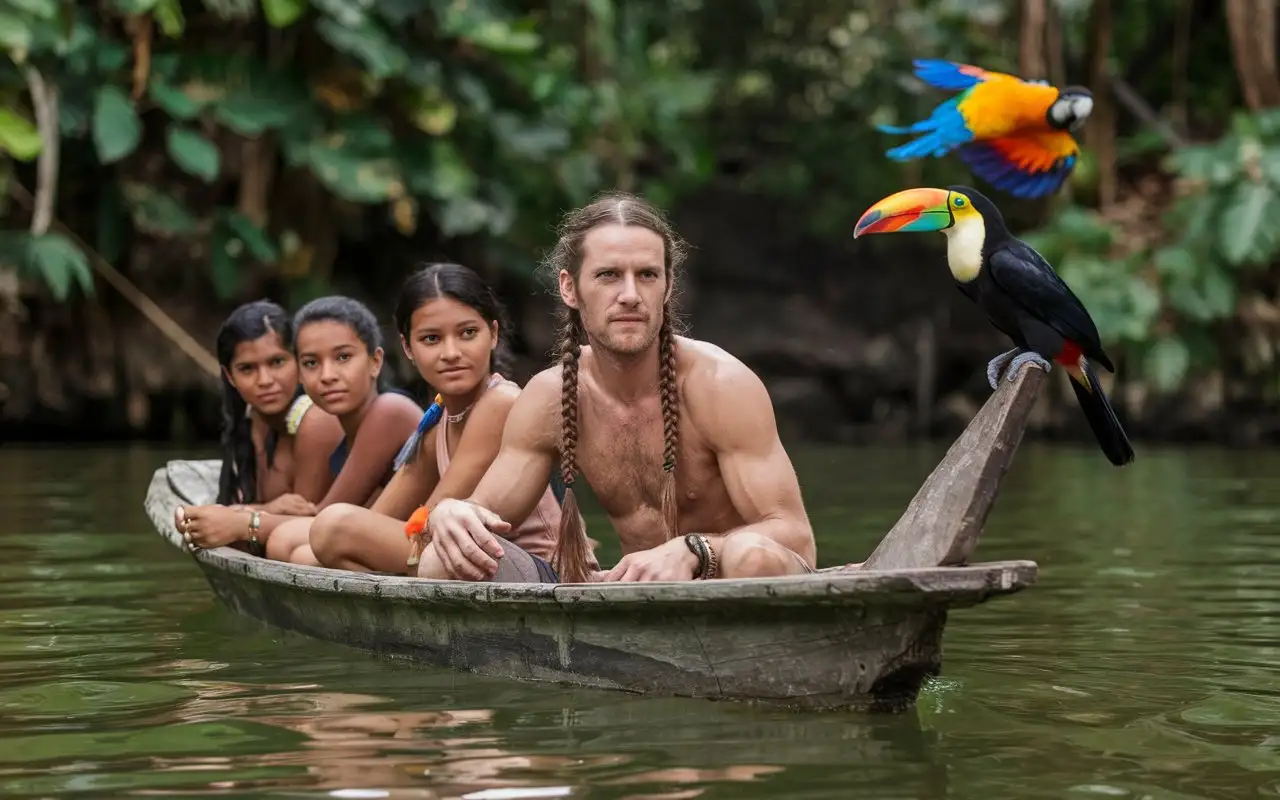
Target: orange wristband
[[417, 522]]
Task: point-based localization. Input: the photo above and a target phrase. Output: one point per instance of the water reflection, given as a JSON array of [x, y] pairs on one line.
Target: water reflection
[[1140, 666]]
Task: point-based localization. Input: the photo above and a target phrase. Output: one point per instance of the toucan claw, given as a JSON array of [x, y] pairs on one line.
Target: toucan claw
[[1034, 359], [996, 365]]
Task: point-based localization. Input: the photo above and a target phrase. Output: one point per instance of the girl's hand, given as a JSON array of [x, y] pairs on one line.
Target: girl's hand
[[291, 505]]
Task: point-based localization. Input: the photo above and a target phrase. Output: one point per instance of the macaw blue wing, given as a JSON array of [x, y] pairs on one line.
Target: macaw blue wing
[[1025, 167], [944, 130], [951, 75]]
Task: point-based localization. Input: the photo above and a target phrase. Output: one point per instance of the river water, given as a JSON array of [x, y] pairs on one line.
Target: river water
[[1142, 665]]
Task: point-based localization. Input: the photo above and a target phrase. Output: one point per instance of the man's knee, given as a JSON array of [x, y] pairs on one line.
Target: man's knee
[[329, 531], [751, 555]]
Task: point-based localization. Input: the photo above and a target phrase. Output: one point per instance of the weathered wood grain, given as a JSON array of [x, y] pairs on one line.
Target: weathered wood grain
[[941, 525], [860, 639]]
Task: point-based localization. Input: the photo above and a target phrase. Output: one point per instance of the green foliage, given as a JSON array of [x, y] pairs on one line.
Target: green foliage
[[470, 126], [193, 152], [51, 257], [1162, 303], [367, 114], [18, 137]]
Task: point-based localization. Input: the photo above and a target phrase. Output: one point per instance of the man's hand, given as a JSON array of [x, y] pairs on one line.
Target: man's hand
[[670, 561], [462, 535], [291, 505]]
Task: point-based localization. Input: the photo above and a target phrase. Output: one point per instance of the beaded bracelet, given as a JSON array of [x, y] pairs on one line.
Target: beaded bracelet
[[417, 523], [255, 525]]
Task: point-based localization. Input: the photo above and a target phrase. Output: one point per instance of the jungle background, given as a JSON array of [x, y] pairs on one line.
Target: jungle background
[[165, 160]]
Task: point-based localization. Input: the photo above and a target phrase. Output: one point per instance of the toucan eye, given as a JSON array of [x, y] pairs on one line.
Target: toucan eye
[[959, 202]]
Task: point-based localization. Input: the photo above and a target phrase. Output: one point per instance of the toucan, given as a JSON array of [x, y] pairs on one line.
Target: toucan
[[1019, 291]]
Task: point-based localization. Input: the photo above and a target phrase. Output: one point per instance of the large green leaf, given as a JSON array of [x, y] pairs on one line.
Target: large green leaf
[[352, 175], [283, 13], [474, 23], [60, 263], [15, 32], [42, 9], [368, 43], [253, 237], [1175, 260], [1243, 221], [350, 13], [260, 102], [168, 13], [447, 176], [1167, 362], [193, 152], [1218, 291], [116, 127], [463, 215], [156, 212], [173, 100], [18, 137]]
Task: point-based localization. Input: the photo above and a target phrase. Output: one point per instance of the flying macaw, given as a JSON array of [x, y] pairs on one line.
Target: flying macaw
[[1014, 134]]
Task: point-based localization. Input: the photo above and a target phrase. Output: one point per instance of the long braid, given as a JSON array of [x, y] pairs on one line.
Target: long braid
[[572, 555], [238, 481], [669, 392]]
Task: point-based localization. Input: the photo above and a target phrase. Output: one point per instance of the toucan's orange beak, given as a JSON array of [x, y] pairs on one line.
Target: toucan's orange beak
[[907, 211]]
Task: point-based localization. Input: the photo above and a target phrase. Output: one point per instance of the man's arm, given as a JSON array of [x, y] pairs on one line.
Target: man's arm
[[728, 404], [515, 480], [462, 531]]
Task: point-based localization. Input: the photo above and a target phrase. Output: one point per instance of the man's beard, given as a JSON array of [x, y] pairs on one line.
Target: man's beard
[[624, 347]]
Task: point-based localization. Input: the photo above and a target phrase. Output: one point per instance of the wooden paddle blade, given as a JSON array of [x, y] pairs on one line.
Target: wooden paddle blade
[[942, 523]]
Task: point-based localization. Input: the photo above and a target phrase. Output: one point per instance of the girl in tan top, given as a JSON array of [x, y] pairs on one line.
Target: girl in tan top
[[448, 319]]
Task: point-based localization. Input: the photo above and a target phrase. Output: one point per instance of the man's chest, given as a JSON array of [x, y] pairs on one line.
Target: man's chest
[[622, 457]]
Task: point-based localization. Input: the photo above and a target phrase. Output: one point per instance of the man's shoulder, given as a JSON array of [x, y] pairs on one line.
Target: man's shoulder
[[538, 406], [707, 367], [726, 400], [544, 383]]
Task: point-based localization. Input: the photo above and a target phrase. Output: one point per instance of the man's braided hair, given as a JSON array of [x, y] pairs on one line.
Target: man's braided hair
[[572, 555]]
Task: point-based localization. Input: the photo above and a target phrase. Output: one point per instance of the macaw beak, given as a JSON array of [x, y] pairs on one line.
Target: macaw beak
[[910, 210]]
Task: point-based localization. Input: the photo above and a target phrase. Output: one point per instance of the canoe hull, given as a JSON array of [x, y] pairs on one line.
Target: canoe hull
[[862, 640]]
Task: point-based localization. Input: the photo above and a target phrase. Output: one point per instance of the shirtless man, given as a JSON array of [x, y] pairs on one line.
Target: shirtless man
[[676, 437]]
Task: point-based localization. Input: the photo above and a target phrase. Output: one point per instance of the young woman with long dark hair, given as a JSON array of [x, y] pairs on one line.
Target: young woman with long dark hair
[[274, 440]]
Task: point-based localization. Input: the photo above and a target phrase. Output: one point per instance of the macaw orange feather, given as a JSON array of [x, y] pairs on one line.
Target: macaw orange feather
[[1035, 152], [998, 106]]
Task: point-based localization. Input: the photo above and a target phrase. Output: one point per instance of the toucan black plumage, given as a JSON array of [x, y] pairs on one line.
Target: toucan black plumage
[[1020, 292]]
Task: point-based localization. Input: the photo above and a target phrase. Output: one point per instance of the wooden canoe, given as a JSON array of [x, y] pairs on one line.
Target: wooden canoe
[[862, 638]]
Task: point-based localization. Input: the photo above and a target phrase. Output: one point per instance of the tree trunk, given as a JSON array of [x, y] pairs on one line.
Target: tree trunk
[[1252, 25], [1101, 131], [1032, 63], [1055, 52]]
